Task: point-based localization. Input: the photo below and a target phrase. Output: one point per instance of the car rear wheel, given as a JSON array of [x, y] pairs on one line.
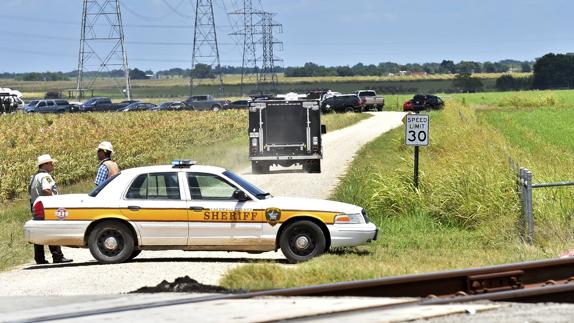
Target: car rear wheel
[[301, 241], [215, 108], [349, 109], [111, 242]]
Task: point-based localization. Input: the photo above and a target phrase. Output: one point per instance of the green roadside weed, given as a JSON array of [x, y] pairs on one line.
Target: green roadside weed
[[466, 211]]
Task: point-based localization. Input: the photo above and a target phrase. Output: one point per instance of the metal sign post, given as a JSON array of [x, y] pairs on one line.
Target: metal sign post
[[416, 134]]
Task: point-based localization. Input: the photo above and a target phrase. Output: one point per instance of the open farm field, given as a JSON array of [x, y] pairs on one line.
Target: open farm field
[[179, 87], [466, 212]]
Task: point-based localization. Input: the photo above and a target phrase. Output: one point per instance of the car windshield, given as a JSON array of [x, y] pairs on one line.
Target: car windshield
[[100, 187], [33, 103], [165, 104], [254, 190]]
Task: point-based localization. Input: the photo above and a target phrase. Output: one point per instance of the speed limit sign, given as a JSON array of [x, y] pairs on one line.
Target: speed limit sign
[[417, 130]]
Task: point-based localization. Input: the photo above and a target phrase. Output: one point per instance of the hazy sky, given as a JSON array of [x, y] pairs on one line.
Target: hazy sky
[[43, 35]]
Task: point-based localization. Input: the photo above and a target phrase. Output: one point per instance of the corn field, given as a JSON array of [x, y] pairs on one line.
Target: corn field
[[139, 138]]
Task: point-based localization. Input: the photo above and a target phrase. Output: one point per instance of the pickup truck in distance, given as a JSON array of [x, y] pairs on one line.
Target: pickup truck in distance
[[372, 100], [206, 102], [342, 103], [97, 104]]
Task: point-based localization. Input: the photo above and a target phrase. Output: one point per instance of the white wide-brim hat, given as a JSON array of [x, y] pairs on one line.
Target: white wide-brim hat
[[106, 145], [45, 159]]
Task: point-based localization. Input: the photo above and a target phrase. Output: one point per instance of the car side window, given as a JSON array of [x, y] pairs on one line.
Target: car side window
[[162, 186], [209, 187]]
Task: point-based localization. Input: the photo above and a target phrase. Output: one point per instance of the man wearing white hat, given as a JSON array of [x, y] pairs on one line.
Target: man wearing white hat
[[42, 184], [108, 167]]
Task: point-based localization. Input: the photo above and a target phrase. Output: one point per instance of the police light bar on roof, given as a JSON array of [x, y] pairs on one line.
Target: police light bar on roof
[[182, 163]]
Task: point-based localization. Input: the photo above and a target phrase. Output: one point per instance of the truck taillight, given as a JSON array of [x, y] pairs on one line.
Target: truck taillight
[[254, 145], [315, 144], [362, 101], [38, 211]]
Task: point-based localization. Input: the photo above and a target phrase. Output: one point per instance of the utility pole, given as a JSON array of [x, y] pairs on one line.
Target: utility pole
[[205, 48], [102, 45], [268, 74], [249, 68]]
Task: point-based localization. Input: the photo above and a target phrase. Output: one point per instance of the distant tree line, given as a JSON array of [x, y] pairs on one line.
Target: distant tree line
[[308, 70], [389, 68]]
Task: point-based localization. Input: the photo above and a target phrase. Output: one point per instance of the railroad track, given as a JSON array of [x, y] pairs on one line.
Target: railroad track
[[536, 281]]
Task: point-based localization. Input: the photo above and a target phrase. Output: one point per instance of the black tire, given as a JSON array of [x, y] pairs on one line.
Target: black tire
[[312, 166], [134, 254], [111, 242], [259, 167], [301, 241], [380, 108], [348, 109], [215, 107]]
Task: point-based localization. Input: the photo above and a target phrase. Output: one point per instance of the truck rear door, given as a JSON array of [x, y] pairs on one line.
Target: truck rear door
[[285, 124]]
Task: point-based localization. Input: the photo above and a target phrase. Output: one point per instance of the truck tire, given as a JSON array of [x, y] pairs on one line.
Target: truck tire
[[302, 240], [259, 167], [312, 166], [380, 107]]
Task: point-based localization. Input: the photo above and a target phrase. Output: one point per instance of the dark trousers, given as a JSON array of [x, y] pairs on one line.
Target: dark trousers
[[39, 255]]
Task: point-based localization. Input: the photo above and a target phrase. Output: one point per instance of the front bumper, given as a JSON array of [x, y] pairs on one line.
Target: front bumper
[[55, 233], [349, 235]]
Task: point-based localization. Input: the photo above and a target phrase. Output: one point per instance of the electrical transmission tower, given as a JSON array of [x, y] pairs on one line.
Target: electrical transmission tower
[[102, 44], [205, 49], [249, 68], [268, 74]]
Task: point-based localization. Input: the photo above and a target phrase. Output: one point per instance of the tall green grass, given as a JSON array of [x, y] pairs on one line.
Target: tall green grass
[[465, 213]]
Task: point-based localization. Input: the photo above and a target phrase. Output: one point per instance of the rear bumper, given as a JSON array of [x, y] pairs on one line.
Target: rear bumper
[[56, 233], [349, 235], [304, 157]]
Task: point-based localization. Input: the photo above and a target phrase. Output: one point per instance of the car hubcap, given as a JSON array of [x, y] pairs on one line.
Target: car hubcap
[[302, 243], [111, 243]]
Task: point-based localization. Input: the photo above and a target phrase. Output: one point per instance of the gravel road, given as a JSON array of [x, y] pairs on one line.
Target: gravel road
[[86, 277]]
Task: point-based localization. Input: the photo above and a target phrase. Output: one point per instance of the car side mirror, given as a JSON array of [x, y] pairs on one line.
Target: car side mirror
[[240, 196], [323, 129]]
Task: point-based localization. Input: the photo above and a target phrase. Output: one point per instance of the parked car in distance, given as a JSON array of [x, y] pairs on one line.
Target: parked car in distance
[[342, 103], [48, 106], [138, 106], [97, 104], [123, 104], [423, 102], [173, 106], [30, 106], [206, 102], [372, 100], [239, 104]]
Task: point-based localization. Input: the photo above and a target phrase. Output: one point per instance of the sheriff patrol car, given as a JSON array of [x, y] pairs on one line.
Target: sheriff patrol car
[[185, 206]]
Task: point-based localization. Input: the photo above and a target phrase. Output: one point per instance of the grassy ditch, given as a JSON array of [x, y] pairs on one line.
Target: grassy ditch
[[465, 213], [164, 139]]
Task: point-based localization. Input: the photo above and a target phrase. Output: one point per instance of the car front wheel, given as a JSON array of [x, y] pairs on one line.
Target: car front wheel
[[111, 242], [301, 241]]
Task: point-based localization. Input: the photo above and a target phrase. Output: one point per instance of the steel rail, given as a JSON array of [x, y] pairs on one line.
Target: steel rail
[[535, 281]]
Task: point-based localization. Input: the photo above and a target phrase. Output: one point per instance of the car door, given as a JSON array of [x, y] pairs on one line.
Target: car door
[[155, 203], [40, 107], [216, 217]]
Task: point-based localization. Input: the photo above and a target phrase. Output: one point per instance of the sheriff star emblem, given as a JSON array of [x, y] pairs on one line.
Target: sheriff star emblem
[[273, 215]]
